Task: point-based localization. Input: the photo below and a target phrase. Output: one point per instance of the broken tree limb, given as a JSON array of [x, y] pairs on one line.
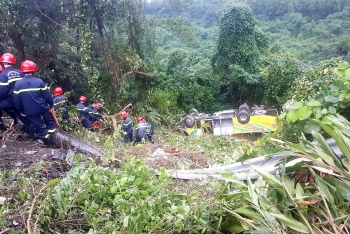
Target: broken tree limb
[[113, 117]]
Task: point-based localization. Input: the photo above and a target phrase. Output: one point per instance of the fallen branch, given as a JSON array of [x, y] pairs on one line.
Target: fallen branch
[[5, 230], [31, 212], [117, 114], [113, 117]]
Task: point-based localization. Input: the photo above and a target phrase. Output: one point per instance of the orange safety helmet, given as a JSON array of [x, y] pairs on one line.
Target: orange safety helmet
[[98, 105], [28, 66], [123, 114], [58, 91], [8, 58], [138, 119], [82, 98]]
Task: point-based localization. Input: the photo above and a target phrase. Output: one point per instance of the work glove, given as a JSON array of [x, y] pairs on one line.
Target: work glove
[[143, 140]]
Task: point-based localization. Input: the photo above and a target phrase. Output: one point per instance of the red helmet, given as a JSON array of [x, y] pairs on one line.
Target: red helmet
[[8, 58], [138, 119], [144, 121], [1, 69], [28, 66], [58, 91], [123, 114], [98, 105], [82, 98]]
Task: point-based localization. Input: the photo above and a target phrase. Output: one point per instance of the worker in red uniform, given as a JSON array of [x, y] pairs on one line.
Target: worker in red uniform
[[34, 100]]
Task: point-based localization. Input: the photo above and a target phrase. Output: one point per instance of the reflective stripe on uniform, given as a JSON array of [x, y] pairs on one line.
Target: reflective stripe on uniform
[[52, 130], [61, 102], [128, 123], [4, 84], [14, 79], [29, 90]]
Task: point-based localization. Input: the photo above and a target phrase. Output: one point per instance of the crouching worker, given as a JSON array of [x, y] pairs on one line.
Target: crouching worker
[[61, 103], [127, 127], [84, 113], [34, 100], [140, 131], [149, 131]]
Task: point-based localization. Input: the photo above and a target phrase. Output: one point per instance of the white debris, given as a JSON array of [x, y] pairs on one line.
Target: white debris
[[158, 152]]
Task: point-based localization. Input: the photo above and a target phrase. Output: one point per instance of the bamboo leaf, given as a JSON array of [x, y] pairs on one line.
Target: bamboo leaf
[[326, 148], [299, 192], [248, 213], [271, 180], [291, 223], [288, 185], [322, 185], [252, 192], [337, 138]]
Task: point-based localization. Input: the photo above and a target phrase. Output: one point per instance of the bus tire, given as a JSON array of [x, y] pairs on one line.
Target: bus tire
[[193, 111], [189, 121], [243, 117], [244, 107]]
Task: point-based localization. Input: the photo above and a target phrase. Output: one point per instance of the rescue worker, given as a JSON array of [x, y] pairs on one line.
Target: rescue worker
[[95, 107], [61, 103], [127, 127], [34, 100], [149, 131], [142, 130], [8, 78], [84, 113]]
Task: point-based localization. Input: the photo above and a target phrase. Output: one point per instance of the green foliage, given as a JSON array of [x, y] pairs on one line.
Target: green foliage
[[237, 40], [314, 9], [278, 76], [331, 98], [307, 86], [279, 203]]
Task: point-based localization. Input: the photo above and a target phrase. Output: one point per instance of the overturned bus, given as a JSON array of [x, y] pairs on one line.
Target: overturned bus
[[229, 122]]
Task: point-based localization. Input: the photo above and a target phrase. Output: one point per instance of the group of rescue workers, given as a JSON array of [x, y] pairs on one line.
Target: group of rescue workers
[[26, 98]]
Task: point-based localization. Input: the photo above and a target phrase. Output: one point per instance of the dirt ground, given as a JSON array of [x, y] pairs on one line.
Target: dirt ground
[[17, 152]]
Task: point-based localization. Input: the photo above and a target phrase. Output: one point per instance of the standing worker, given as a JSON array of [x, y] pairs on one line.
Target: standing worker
[[34, 100], [127, 127], [8, 79]]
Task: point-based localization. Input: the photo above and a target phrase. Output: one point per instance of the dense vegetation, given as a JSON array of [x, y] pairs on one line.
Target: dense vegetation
[[167, 57]]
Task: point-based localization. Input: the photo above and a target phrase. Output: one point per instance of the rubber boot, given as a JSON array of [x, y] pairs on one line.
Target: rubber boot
[[30, 132], [53, 139], [47, 142], [2, 127]]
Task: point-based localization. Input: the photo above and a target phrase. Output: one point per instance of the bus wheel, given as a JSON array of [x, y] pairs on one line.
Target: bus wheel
[[189, 121], [243, 117]]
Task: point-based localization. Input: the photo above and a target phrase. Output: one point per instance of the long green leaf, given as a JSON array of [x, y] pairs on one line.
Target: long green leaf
[[326, 148], [272, 180], [252, 192], [248, 213], [325, 189], [291, 223], [337, 138]]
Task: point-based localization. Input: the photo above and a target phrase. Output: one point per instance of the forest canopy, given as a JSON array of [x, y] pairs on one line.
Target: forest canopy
[[168, 56]]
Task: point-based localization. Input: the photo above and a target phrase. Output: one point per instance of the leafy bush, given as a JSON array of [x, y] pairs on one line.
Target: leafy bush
[[277, 203]]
